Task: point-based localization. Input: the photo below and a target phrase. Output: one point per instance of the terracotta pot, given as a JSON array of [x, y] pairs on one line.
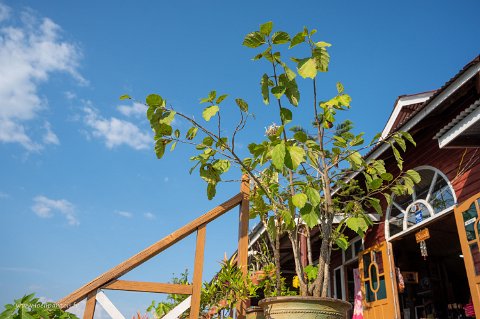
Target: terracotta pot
[[304, 307], [255, 313]]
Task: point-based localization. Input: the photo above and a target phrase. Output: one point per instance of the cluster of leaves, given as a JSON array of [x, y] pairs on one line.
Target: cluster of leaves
[[30, 307], [161, 308], [226, 291], [303, 176]]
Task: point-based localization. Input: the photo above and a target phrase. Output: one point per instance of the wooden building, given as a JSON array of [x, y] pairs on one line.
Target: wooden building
[[401, 276]]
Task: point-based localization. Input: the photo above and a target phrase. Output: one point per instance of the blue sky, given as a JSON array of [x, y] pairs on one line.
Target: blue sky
[[80, 187]]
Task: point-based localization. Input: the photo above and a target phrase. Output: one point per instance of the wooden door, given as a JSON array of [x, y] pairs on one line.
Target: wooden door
[[378, 282], [467, 217]]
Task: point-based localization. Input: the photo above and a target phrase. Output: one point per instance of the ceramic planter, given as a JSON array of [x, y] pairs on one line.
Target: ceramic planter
[[304, 307]]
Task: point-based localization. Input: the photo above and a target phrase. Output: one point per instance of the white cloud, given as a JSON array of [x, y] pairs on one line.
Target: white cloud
[[125, 214], [29, 53], [150, 216], [116, 132], [46, 208], [136, 109], [49, 137], [4, 12]]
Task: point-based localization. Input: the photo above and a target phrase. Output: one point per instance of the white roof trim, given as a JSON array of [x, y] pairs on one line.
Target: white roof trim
[[401, 102], [459, 125], [461, 80]]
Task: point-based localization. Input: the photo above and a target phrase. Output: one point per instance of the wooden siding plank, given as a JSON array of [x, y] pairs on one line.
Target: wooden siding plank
[[197, 272], [149, 287], [149, 252]]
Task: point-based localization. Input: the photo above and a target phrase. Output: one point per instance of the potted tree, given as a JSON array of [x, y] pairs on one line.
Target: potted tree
[[308, 175]]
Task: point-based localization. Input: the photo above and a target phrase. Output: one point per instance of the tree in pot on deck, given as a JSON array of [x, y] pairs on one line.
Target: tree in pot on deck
[[305, 176]]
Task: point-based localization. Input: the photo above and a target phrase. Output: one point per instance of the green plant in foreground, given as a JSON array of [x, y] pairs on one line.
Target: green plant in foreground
[[30, 307], [309, 177], [161, 308], [226, 291]]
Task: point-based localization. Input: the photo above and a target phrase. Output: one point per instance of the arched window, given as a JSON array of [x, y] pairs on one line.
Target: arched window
[[433, 196]]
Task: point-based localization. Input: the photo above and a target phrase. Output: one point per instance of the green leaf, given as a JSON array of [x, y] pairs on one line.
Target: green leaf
[[254, 40], [150, 112], [299, 200], [300, 136], [310, 215], [265, 91], [408, 137], [307, 68], [177, 133], [375, 203], [295, 156], [209, 174], [400, 142], [211, 190], [311, 272], [208, 141], [322, 59], [342, 242], [159, 148], [222, 165], [339, 88], [355, 159], [322, 44], [357, 224], [280, 37], [167, 117], [155, 100], [416, 178], [297, 39], [313, 196], [172, 148], [387, 177], [345, 100], [192, 132], [398, 157], [285, 115], [278, 91], [278, 155], [125, 97], [209, 112], [242, 105], [221, 98], [266, 28], [375, 184]]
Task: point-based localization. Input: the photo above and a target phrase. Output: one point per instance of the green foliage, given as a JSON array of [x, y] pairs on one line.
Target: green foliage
[[227, 290], [29, 307], [304, 173], [161, 308]]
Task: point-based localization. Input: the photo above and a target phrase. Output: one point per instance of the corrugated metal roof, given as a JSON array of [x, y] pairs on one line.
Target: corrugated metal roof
[[463, 70]]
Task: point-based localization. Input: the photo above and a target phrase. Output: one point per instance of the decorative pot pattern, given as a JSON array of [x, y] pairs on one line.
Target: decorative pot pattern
[[304, 308]]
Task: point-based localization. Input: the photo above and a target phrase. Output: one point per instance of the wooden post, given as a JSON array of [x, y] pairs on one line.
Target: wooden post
[[197, 272], [90, 306], [244, 217]]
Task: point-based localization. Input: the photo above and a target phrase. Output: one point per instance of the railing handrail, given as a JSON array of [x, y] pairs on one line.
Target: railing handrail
[[90, 288]]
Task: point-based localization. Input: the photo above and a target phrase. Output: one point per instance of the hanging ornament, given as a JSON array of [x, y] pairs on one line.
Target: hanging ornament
[[423, 249], [421, 236]]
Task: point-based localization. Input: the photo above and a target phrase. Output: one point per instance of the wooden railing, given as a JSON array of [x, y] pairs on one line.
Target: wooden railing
[[110, 279]]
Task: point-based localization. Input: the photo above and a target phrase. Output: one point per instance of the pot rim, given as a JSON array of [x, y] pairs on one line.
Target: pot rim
[[270, 300]]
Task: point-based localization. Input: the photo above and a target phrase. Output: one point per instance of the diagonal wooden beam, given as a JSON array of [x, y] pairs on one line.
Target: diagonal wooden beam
[[108, 306], [149, 252], [148, 287]]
